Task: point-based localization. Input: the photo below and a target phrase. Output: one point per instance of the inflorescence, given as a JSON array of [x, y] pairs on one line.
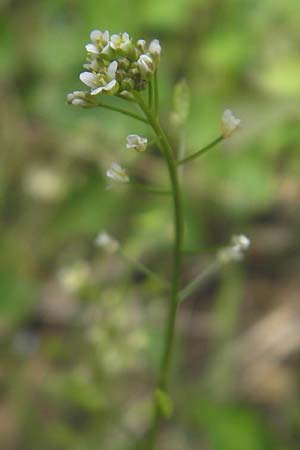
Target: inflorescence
[[116, 65]]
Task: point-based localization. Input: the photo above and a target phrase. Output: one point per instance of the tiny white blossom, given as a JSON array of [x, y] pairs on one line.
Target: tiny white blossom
[[136, 142], [106, 242], [155, 47], [80, 98], [88, 78], [120, 41], [234, 252], [241, 242], [112, 69], [98, 82], [229, 123], [141, 43], [98, 36], [117, 174], [108, 88], [145, 64], [91, 48]]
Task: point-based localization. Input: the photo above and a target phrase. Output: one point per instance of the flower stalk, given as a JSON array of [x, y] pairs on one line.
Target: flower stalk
[[121, 67], [163, 377]]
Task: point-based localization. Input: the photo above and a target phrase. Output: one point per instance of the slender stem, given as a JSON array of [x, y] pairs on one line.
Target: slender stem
[[201, 151], [151, 189], [150, 95], [156, 94], [144, 269], [164, 372], [181, 149], [199, 280], [123, 111]]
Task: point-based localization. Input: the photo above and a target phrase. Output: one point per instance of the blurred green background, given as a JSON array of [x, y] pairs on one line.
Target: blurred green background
[[80, 330]]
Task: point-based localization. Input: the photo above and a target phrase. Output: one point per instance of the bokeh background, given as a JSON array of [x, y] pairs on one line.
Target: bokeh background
[[81, 331]]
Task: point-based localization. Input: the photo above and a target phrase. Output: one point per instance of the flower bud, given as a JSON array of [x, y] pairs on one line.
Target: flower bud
[[155, 50], [141, 45], [241, 242], [117, 174], [127, 85], [146, 66], [235, 252], [136, 142], [229, 123], [81, 98], [123, 63], [107, 242]]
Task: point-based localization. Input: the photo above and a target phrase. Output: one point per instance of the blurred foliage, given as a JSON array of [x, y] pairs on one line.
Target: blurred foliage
[[81, 331]]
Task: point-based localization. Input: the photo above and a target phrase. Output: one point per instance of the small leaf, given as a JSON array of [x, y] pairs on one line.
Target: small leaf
[[164, 402], [181, 102]]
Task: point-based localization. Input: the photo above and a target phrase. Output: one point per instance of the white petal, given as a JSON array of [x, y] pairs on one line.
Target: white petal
[[91, 48], [105, 36], [125, 37], [97, 90], [106, 49], [229, 123], [115, 41], [78, 102], [88, 78], [110, 85], [132, 139], [155, 47], [95, 35], [112, 68]]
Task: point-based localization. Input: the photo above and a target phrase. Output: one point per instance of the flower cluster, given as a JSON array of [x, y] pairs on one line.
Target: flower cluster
[[116, 64], [136, 142], [229, 123], [117, 174], [235, 252]]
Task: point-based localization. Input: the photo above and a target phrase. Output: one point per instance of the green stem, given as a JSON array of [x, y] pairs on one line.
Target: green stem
[[156, 95], [123, 111], [201, 151], [199, 280], [144, 269], [164, 372], [150, 95]]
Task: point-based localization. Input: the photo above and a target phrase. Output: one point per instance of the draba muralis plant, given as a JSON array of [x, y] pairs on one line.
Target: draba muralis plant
[[120, 66]]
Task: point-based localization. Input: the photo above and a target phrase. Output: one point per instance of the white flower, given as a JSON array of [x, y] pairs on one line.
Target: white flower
[[106, 242], [141, 43], [112, 69], [241, 242], [80, 98], [229, 123], [136, 142], [145, 64], [98, 36], [99, 82], [88, 78], [120, 41], [155, 47], [117, 174], [236, 251], [91, 48]]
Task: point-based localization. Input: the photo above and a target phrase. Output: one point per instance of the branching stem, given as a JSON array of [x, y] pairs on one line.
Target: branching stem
[[200, 152], [123, 111], [164, 372]]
